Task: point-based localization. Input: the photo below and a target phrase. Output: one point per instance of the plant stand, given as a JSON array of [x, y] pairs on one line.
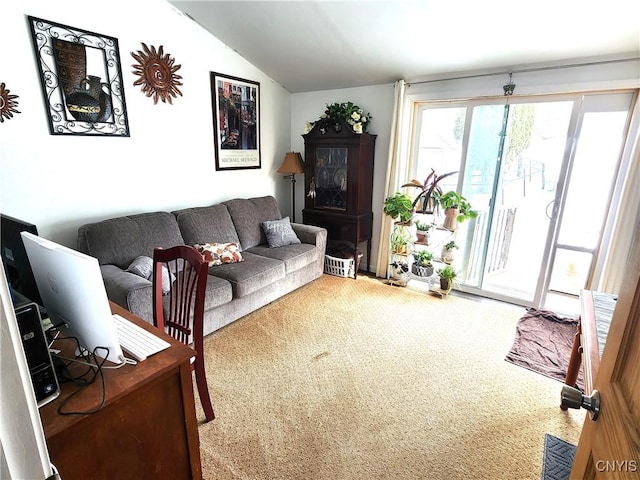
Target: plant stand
[[397, 283], [438, 292]]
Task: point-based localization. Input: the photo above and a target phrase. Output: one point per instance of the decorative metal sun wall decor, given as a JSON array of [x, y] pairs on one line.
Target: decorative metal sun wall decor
[[157, 72], [8, 103]]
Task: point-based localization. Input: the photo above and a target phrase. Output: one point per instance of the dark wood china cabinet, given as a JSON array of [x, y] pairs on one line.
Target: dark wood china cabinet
[[338, 180]]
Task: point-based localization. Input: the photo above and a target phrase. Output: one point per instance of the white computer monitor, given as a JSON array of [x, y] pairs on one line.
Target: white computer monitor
[[73, 293]]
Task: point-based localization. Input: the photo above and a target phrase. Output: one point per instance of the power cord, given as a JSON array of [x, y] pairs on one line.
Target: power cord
[[88, 377], [95, 367]]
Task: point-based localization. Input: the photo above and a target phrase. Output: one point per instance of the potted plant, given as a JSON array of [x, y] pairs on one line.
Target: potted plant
[[349, 112], [422, 266], [447, 251], [399, 206], [422, 232], [456, 209], [426, 200], [446, 274], [400, 240], [400, 271]]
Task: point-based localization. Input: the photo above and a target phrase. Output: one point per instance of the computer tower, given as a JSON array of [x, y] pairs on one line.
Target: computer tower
[[36, 349]]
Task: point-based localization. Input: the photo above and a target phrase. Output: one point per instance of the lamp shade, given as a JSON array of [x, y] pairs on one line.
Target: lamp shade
[[292, 163]]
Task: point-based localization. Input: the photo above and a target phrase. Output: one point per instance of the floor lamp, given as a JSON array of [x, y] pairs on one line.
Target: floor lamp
[[291, 165]]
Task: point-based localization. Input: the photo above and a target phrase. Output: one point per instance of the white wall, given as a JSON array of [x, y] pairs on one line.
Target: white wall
[[377, 100], [60, 182]]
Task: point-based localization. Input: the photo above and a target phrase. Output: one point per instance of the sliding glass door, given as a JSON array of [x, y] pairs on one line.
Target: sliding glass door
[[582, 211], [508, 243], [532, 168]]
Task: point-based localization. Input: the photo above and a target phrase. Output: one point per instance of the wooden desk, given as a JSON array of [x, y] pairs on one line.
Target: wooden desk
[[596, 310], [147, 428]]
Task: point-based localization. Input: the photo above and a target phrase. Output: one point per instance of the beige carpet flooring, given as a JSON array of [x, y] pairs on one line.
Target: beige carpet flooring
[[356, 379]]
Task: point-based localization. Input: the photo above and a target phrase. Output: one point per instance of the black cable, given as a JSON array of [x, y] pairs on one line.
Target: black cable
[[62, 369], [82, 381]]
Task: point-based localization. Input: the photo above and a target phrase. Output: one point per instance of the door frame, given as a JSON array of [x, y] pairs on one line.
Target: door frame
[[551, 245]]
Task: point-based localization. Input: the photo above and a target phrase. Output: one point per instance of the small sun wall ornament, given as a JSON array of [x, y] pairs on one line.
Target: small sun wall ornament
[[8, 103], [157, 72]]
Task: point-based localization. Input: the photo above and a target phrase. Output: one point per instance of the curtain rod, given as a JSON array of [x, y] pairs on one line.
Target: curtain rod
[[526, 70]]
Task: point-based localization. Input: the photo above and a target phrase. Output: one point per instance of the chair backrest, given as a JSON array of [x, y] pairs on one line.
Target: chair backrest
[[178, 305]]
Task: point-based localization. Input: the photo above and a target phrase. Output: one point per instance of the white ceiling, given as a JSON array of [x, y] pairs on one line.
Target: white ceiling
[[310, 45]]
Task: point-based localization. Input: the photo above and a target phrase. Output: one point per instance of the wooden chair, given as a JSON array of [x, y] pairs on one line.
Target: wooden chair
[[178, 305]]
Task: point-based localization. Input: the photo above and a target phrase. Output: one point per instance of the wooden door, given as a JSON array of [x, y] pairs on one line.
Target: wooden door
[[609, 447]]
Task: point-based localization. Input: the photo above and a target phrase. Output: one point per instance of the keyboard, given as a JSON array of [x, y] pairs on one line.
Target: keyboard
[[136, 341]]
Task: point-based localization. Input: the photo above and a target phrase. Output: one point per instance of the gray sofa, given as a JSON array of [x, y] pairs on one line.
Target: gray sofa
[[233, 289]]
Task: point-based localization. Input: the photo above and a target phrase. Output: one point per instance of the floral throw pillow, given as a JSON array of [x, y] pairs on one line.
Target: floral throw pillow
[[279, 233], [219, 253]]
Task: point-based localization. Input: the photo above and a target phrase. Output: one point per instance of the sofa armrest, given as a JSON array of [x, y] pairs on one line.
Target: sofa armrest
[[311, 234], [129, 290]]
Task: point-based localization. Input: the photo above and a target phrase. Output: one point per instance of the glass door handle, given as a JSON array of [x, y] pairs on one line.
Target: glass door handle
[[546, 210]]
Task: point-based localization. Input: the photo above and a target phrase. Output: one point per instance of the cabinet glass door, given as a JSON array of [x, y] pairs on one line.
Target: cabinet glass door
[[331, 177]]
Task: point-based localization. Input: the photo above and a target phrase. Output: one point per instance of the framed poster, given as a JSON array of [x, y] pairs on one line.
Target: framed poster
[[236, 122], [81, 80]]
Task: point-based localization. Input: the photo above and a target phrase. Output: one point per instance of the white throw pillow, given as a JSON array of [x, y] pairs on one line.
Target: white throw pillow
[[143, 267]]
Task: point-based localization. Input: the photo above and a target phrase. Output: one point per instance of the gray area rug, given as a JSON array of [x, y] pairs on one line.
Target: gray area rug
[[557, 459]]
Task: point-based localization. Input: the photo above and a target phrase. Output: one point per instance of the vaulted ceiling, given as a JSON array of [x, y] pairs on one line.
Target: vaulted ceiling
[[310, 45]]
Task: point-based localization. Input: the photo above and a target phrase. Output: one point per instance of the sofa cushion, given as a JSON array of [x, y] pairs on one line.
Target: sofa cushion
[[295, 256], [218, 292], [247, 216], [279, 233], [219, 253], [118, 241], [253, 274], [206, 225]]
